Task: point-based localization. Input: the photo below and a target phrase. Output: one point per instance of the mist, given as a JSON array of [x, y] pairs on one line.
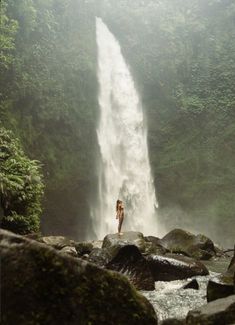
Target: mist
[[181, 57]]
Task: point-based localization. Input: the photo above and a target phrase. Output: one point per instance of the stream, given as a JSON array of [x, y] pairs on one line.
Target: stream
[[170, 300]]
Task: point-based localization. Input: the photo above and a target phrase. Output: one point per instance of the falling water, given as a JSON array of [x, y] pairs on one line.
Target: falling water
[[122, 136]]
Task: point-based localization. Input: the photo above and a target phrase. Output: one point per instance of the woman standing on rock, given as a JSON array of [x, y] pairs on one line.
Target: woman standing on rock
[[120, 215]]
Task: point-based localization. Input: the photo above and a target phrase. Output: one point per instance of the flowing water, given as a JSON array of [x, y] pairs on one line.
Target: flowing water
[[124, 170], [170, 300]]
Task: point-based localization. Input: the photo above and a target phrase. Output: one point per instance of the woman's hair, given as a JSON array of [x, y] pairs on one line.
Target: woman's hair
[[117, 204]]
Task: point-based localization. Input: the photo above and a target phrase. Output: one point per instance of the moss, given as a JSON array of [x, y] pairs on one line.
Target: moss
[[61, 289]]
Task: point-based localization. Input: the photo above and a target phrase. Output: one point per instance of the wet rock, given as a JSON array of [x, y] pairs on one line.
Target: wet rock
[[222, 286], [221, 311], [97, 243], [192, 285], [152, 239], [83, 248], [100, 257], [173, 321], [174, 267], [183, 242], [69, 250], [231, 267], [128, 238], [130, 262], [153, 246], [57, 242], [43, 286]]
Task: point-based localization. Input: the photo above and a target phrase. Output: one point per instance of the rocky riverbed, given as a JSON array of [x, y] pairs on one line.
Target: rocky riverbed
[[181, 278]]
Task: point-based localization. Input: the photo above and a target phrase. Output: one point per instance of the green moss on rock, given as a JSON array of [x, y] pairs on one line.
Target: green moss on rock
[[43, 286]]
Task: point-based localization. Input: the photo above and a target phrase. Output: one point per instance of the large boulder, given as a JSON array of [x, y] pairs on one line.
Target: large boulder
[[153, 246], [174, 267], [222, 285], [112, 241], [100, 257], [130, 262], [221, 311], [41, 285], [57, 242], [183, 242]]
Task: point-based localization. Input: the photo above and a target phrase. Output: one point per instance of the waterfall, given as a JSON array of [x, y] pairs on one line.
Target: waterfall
[[124, 171]]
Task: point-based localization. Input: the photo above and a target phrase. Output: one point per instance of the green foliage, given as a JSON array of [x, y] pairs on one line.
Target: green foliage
[[8, 29], [21, 186], [182, 56], [50, 101], [181, 53]]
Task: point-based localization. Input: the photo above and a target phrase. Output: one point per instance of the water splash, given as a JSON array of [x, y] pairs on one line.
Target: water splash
[[124, 171]]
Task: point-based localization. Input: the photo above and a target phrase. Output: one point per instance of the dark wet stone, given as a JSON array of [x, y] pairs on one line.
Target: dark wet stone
[[183, 242], [173, 321], [41, 285], [99, 256], [83, 248], [174, 267], [130, 262], [218, 312], [192, 285], [222, 285], [153, 246]]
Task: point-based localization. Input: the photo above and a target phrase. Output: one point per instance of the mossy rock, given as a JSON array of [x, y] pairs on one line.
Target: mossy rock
[[111, 241], [83, 248], [183, 242], [41, 285]]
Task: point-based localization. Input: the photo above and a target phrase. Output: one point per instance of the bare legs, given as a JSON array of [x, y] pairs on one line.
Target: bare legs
[[120, 224]]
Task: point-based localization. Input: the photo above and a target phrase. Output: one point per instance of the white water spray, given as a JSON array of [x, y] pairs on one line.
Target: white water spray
[[122, 136]]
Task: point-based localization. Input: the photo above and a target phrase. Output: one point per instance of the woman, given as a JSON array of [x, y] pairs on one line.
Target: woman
[[120, 215]]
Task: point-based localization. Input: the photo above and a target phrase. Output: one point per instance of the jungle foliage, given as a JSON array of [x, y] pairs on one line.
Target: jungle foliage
[[181, 53], [49, 100], [21, 187]]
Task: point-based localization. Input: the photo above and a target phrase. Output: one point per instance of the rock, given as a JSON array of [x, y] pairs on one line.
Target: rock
[[152, 239], [231, 268], [173, 321], [97, 243], [58, 242], [222, 286], [219, 287], [70, 251], [128, 238], [174, 267], [130, 262], [221, 311], [100, 257], [153, 246], [43, 286], [192, 285], [83, 248], [183, 242]]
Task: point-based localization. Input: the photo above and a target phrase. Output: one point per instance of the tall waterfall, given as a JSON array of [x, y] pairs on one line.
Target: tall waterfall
[[122, 136]]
